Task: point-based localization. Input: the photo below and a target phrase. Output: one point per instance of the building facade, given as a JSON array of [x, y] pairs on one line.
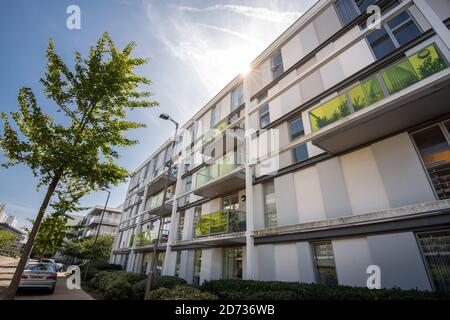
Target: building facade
[[90, 224], [330, 157]]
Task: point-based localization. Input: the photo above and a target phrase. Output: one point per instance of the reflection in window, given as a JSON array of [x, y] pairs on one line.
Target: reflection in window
[[270, 210], [435, 248], [180, 226], [197, 266], [264, 116], [232, 263], [276, 64], [413, 69], [346, 10], [177, 264], [296, 131], [329, 112], [434, 147], [325, 265], [366, 94], [237, 98]]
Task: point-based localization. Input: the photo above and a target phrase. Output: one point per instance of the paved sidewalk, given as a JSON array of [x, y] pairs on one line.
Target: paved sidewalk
[[7, 268], [61, 292]]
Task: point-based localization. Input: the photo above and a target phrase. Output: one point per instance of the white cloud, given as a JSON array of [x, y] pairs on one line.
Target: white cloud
[[285, 17]]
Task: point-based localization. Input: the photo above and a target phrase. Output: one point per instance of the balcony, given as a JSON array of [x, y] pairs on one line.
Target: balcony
[[106, 221], [220, 222], [157, 180], [223, 176], [410, 92], [148, 237]]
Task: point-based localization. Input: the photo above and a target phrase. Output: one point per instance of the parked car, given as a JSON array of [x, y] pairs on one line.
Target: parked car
[[59, 266], [39, 275]]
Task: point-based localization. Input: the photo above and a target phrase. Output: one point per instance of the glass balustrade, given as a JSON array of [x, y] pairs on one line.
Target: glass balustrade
[[403, 74], [148, 237], [220, 222], [219, 168]]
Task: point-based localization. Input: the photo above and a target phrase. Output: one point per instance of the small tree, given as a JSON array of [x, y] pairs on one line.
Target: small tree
[[94, 97], [7, 239], [81, 248]]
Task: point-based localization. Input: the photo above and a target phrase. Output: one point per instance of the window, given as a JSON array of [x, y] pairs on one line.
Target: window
[[188, 184], [232, 263], [394, 34], [433, 145], [180, 226], [270, 210], [231, 202], [276, 63], [296, 129], [264, 116], [347, 11], [324, 261], [159, 263], [435, 247], [213, 116], [177, 264], [197, 266], [197, 215], [237, 98]]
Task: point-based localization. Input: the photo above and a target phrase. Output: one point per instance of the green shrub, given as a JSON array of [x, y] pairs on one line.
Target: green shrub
[[259, 290], [115, 285], [169, 282], [180, 293]]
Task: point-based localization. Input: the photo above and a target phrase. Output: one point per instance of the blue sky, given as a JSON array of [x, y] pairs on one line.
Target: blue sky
[[196, 47]]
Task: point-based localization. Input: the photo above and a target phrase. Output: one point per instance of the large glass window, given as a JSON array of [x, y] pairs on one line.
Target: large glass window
[[177, 264], [393, 34], [180, 226], [197, 266], [325, 265], [300, 153], [232, 263], [434, 147], [347, 11], [270, 210], [264, 116], [213, 116], [276, 63], [237, 98], [435, 248]]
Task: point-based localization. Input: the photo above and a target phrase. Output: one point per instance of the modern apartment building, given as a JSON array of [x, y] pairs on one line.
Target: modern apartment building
[[91, 222], [330, 156]]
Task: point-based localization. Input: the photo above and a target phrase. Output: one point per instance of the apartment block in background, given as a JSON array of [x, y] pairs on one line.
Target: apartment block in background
[[89, 225], [344, 164]]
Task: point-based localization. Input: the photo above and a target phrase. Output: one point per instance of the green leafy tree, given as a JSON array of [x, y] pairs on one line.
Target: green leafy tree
[[82, 248], [83, 146], [7, 239]]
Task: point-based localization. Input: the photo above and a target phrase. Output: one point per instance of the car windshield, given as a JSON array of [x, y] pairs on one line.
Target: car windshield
[[39, 267]]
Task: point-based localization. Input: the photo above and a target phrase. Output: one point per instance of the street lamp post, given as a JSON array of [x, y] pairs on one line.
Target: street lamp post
[[96, 235], [169, 164]]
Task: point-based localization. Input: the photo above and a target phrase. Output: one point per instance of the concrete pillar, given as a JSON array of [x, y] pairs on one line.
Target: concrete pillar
[[434, 20], [173, 225], [137, 230], [249, 241]]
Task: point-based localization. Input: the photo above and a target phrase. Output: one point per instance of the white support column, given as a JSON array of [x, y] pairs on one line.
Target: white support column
[[249, 242], [138, 230], [434, 20], [173, 223]]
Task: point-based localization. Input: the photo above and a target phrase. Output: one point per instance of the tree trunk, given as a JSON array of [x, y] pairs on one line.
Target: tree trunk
[[10, 292]]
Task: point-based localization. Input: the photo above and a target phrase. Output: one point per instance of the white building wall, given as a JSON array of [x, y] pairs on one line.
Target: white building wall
[[400, 261], [286, 262]]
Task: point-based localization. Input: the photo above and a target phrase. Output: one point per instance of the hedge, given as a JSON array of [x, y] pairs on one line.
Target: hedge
[[182, 292], [121, 285], [115, 285], [169, 282], [96, 267], [260, 290]]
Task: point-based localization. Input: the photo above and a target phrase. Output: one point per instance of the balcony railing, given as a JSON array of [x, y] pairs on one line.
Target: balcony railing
[[147, 238], [403, 74], [219, 168], [220, 222], [96, 220]]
